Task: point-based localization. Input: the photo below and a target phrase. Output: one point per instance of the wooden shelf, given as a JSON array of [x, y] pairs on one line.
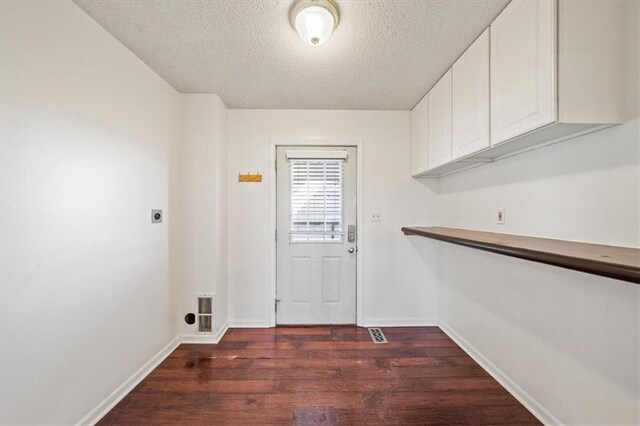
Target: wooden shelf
[[621, 263]]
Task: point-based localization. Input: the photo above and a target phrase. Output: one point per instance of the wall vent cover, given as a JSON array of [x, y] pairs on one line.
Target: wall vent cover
[[204, 313], [377, 336]]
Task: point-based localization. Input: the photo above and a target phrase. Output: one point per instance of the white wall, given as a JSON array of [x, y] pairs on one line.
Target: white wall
[[584, 189], [87, 131], [201, 262], [221, 120], [399, 280], [568, 342]]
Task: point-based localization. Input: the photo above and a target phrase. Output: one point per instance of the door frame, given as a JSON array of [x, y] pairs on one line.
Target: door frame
[[356, 143]]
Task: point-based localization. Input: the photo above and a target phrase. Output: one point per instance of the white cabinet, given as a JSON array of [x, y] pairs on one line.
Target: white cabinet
[[470, 99], [419, 162], [557, 70], [523, 52], [594, 50], [439, 122]]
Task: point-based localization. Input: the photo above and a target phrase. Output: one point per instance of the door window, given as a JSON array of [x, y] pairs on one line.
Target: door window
[[316, 203]]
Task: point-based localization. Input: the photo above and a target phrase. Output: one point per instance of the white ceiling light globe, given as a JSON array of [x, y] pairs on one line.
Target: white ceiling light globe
[[314, 24], [314, 20]]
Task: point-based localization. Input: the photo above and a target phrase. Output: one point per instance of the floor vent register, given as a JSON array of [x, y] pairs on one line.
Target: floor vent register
[[377, 336]]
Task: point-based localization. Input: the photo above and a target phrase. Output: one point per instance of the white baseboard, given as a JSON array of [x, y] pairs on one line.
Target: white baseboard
[[116, 396], [205, 338], [241, 323], [509, 384], [400, 322]]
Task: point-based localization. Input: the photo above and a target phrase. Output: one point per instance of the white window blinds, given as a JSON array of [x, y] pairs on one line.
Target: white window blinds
[[316, 204]]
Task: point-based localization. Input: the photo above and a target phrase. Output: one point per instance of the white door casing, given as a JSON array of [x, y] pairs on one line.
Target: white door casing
[[315, 261]]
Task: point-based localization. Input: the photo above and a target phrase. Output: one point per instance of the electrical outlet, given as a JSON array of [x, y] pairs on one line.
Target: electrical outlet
[[500, 217], [376, 217]]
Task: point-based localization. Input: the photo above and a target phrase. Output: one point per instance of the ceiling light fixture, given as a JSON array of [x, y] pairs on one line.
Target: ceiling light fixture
[[315, 20]]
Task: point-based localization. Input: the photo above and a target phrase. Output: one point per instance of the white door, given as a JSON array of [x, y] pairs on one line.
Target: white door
[[523, 53], [470, 99], [316, 235], [439, 122]]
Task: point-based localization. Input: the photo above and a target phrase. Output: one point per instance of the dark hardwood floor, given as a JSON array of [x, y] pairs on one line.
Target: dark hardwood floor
[[320, 375]]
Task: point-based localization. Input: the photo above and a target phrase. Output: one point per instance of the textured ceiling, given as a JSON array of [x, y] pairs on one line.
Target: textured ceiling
[[383, 55]]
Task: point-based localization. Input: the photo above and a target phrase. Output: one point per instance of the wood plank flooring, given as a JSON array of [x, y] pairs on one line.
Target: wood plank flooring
[[320, 375]]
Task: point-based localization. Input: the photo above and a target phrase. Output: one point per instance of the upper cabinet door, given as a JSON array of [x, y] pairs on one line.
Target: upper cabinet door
[[419, 138], [523, 58], [439, 122], [470, 99]]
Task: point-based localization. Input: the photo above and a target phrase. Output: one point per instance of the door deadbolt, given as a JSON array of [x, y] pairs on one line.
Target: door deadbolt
[[351, 234]]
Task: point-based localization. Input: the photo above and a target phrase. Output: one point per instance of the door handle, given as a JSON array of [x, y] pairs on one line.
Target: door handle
[[351, 250]]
